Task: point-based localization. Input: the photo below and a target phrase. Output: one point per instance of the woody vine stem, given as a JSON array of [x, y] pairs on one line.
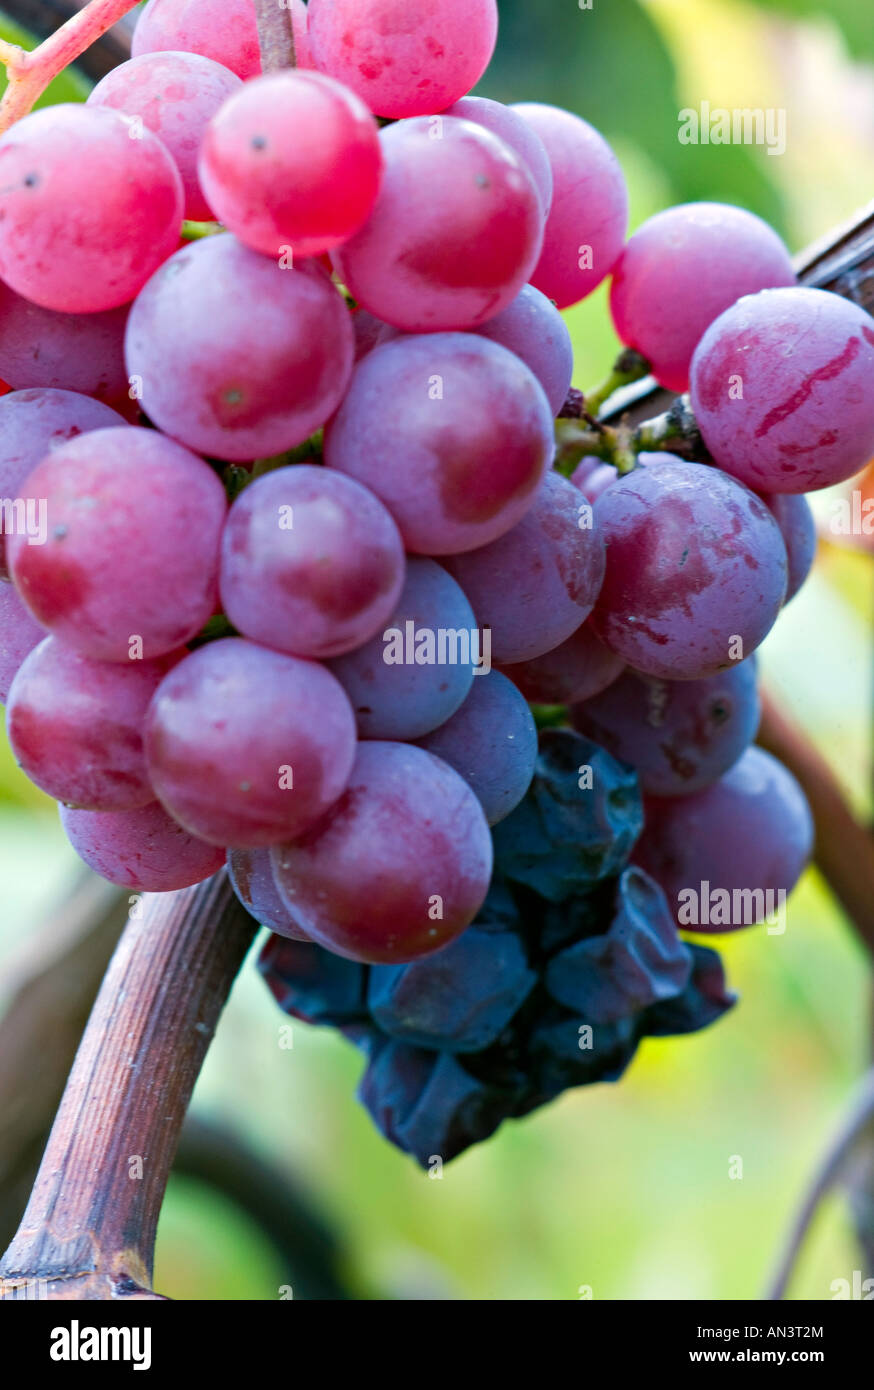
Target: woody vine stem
[[89, 1228]]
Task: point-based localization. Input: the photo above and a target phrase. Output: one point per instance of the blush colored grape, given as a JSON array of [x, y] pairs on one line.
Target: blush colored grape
[[536, 584], [750, 835], [533, 328], [454, 233], [237, 357], [681, 270], [679, 736], [129, 567], [73, 352], [248, 747], [251, 874], [696, 570], [272, 184], [515, 131], [452, 432], [175, 95], [781, 389], [585, 229], [144, 850], [76, 726], [312, 563], [403, 59], [576, 670], [399, 867], [19, 634], [75, 253]]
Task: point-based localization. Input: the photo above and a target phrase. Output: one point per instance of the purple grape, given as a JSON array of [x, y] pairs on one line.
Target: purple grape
[[398, 868], [76, 352], [76, 726], [312, 984], [515, 131], [639, 961], [251, 875], [728, 856], [129, 568], [461, 998], [403, 60], [580, 668], [312, 563], [537, 584], [535, 331], [491, 741], [792, 513], [175, 95], [561, 1055], [428, 1104], [272, 368], [781, 389], [32, 424], [683, 268], [393, 695], [696, 570], [19, 634], [247, 747], [585, 229], [451, 431], [455, 231], [144, 849], [679, 736]]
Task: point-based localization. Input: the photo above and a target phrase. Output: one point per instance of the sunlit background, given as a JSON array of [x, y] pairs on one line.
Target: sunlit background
[[623, 1188]]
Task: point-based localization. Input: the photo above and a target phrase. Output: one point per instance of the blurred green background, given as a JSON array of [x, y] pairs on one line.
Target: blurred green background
[[622, 1188]]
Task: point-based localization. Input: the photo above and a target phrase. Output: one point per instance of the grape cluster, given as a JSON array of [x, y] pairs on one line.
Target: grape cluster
[[291, 561]]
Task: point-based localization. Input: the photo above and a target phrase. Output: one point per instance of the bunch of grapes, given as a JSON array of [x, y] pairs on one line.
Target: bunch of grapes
[[292, 562]]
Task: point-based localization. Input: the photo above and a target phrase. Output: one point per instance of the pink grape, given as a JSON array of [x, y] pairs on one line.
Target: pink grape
[[491, 741], [751, 831], [515, 131], [272, 367], [73, 352], [454, 233], [696, 570], [79, 254], [251, 874], [272, 191], [452, 432], [792, 513], [143, 849], [247, 747], [679, 736], [781, 389], [32, 424], [19, 634], [398, 868], [176, 96], [404, 59], [312, 563], [224, 30], [130, 563], [533, 328], [536, 584], [576, 670], [404, 698], [681, 270], [585, 229], [75, 726]]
